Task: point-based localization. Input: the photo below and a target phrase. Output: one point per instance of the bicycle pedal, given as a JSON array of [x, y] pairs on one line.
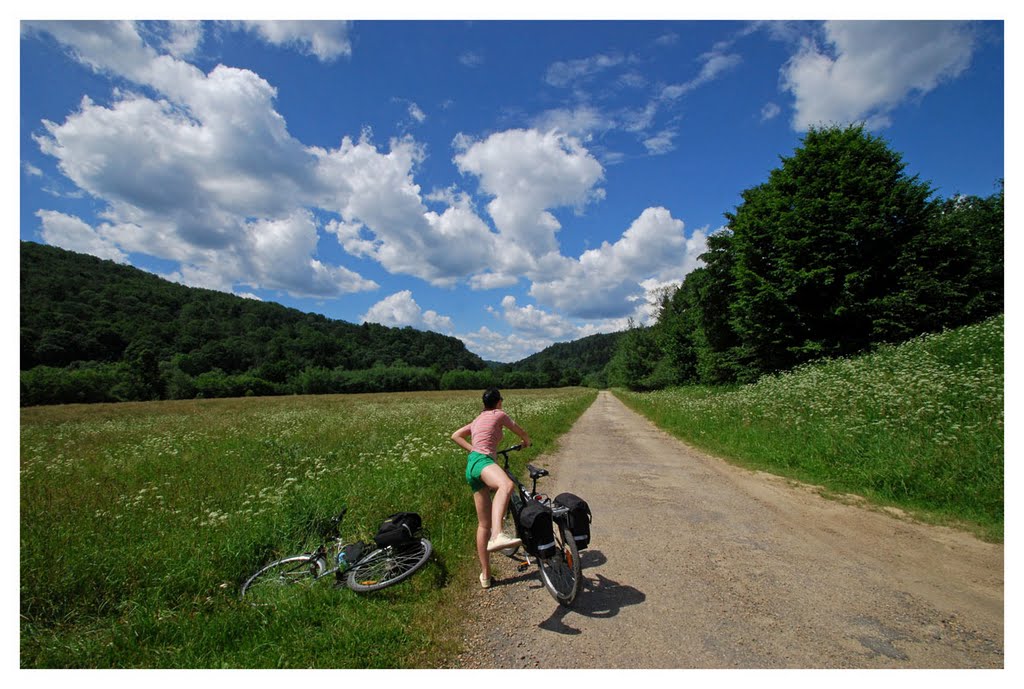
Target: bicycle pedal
[[523, 566]]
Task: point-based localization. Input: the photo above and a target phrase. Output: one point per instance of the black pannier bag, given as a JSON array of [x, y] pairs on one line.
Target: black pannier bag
[[398, 529], [577, 519], [537, 530]]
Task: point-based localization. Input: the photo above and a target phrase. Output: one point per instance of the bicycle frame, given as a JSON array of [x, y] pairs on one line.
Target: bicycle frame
[[559, 573], [326, 554], [535, 474]]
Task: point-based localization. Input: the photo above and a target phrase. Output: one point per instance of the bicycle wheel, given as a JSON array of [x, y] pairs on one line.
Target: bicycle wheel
[[388, 566], [561, 573], [296, 572]]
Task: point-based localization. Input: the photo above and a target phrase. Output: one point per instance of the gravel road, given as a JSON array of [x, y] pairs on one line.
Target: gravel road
[[696, 563]]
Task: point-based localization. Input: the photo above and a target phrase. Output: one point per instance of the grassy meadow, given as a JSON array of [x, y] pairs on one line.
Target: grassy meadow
[[139, 521], [918, 426]]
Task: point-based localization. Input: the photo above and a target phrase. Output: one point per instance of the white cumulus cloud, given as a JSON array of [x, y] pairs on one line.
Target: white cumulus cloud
[[609, 281], [534, 321], [528, 172], [400, 309], [384, 216], [865, 69], [327, 40], [208, 174], [71, 233]]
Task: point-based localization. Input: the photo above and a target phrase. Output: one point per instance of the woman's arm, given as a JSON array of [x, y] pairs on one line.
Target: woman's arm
[[517, 429], [460, 437]]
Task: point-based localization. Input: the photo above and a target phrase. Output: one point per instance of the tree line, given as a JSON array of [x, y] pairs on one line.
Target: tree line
[[94, 330], [838, 251]]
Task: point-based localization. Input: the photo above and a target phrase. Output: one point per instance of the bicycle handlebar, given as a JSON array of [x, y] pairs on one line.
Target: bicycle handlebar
[[333, 529]]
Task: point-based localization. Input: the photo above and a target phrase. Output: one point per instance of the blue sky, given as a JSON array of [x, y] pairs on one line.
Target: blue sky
[[511, 183]]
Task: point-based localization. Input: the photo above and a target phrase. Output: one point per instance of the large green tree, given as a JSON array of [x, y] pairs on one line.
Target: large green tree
[[952, 275], [816, 249], [838, 250]]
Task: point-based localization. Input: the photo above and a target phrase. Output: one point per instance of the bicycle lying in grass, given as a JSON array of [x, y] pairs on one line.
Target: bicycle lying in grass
[[369, 568], [555, 552]]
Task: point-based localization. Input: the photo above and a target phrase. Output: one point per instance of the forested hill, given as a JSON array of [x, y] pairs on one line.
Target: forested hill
[[133, 335], [579, 359]]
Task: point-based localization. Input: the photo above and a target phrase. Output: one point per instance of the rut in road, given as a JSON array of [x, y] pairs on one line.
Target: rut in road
[[696, 563]]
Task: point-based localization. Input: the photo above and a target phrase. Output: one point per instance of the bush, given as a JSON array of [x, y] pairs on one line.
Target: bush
[[216, 383], [83, 382], [469, 380], [387, 379]]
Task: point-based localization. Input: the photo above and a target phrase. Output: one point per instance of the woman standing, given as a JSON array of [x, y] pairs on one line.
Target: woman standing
[[484, 476]]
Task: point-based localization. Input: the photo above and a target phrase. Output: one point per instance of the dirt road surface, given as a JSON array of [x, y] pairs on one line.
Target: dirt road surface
[[696, 563]]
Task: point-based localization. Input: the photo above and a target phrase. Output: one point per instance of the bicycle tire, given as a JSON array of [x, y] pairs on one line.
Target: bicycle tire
[[297, 571], [387, 566], [561, 573]]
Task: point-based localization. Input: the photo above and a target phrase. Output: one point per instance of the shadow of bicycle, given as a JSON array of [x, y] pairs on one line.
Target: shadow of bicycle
[[599, 597]]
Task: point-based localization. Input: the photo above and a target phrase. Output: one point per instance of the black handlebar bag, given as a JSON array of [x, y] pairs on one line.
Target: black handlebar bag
[[536, 528], [577, 519]]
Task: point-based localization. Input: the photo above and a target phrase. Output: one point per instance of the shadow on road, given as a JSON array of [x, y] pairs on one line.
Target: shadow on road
[[599, 598]]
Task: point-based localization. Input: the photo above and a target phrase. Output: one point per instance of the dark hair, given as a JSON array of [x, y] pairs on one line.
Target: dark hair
[[491, 398]]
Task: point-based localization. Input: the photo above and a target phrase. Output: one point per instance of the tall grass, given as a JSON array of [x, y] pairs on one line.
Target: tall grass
[[139, 521], [919, 425]]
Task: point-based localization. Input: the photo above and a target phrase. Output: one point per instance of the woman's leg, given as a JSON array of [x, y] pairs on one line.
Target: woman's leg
[[482, 502], [498, 481]]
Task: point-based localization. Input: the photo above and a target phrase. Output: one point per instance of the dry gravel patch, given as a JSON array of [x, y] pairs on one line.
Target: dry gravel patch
[[696, 563]]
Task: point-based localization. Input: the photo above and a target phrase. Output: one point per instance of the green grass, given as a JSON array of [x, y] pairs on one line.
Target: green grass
[[139, 521], [918, 426]]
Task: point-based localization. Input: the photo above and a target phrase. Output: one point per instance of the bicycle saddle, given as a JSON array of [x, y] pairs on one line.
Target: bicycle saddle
[[536, 473]]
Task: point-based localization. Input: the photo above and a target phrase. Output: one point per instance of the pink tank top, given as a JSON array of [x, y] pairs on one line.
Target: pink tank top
[[487, 429]]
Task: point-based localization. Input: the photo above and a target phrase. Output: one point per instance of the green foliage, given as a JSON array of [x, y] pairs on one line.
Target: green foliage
[[468, 380], [952, 275], [89, 382], [636, 360], [139, 522], [816, 249], [564, 363], [598, 381], [522, 380], [838, 251], [917, 425], [155, 339], [216, 383], [380, 379]]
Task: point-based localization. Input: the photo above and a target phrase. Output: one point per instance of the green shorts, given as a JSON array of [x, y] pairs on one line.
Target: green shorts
[[475, 464]]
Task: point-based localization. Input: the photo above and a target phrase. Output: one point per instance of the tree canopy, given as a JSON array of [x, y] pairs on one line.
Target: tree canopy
[[837, 251]]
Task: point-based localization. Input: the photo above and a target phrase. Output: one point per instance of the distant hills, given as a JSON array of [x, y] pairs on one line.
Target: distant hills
[[96, 330], [579, 359]]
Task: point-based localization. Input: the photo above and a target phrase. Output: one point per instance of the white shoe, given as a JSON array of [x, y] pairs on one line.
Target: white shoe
[[501, 542], [485, 581]]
